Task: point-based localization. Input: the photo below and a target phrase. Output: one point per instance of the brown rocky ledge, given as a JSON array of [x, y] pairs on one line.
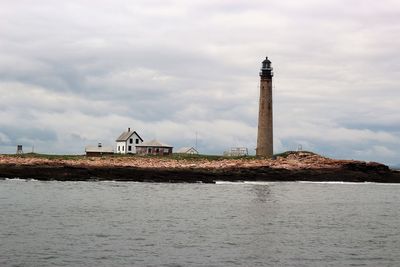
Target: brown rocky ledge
[[290, 166]]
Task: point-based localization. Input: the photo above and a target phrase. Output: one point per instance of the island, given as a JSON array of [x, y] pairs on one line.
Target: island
[[288, 166]]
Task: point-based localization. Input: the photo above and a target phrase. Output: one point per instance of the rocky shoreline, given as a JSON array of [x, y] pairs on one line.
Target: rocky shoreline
[[295, 166]]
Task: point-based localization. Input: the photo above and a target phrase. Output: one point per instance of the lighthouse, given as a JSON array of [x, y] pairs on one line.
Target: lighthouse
[[265, 130]]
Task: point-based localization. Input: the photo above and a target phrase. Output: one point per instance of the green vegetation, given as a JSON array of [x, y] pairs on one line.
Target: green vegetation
[[175, 156], [178, 156], [287, 153], [182, 156], [47, 156]]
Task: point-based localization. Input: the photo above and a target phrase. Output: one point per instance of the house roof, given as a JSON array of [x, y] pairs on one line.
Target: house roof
[[102, 149], [126, 135], [153, 143], [186, 150]]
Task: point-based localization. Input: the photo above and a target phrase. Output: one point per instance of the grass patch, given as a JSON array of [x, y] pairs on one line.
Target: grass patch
[[175, 156], [46, 156], [287, 153]]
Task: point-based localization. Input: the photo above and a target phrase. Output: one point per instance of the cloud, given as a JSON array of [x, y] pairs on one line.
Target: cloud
[[382, 152], [4, 139]]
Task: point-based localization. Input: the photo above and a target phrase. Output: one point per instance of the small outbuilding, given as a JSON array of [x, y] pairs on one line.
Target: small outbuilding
[[127, 142], [154, 147], [99, 150], [237, 152], [187, 150]]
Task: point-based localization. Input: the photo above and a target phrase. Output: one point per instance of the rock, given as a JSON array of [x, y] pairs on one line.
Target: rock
[[293, 167]]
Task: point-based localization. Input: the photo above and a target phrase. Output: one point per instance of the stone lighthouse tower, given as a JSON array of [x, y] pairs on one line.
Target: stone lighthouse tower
[[265, 131]]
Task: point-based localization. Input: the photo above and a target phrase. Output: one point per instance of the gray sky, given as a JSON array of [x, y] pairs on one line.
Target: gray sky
[[78, 72]]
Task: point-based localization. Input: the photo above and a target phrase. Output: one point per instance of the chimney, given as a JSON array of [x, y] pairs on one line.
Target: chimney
[[129, 129], [99, 145]]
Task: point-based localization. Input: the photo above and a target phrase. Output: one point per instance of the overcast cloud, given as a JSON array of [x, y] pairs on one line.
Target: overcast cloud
[[74, 73]]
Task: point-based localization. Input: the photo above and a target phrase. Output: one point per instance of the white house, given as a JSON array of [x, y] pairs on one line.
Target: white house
[[127, 142]]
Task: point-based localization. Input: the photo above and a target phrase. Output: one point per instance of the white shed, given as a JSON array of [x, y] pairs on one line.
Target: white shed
[[187, 150], [127, 142], [98, 150]]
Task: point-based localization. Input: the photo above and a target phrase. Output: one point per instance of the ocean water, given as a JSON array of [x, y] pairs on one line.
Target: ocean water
[[224, 224]]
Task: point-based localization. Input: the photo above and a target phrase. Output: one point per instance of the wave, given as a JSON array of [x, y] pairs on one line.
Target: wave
[[346, 183], [20, 180], [301, 182], [246, 183], [331, 182]]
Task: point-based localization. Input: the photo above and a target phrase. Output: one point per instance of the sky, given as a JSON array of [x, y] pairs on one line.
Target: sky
[[79, 72]]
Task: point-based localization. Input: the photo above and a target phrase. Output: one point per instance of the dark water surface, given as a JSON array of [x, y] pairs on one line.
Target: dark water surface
[[145, 224]]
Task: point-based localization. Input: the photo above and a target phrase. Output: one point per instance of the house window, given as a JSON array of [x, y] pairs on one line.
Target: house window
[[119, 148], [123, 148], [130, 141], [157, 150], [129, 148], [149, 150], [137, 141]]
